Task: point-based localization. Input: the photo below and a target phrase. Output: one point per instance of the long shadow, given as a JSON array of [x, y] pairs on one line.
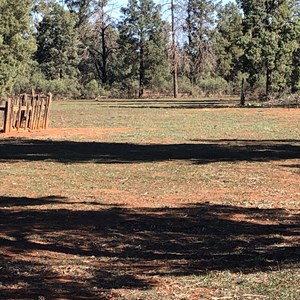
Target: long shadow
[[296, 166], [25, 201], [120, 245], [171, 104], [198, 152], [191, 104]]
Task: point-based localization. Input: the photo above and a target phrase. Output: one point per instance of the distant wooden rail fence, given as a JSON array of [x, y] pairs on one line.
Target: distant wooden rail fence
[[26, 112]]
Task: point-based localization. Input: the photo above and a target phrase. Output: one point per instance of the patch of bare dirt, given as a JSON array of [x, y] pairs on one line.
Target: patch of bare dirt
[[119, 243], [65, 132]]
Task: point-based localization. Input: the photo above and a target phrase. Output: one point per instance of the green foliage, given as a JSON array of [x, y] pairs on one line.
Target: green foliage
[[142, 43], [227, 42], [60, 88], [127, 88], [269, 41], [93, 90], [214, 85], [161, 84], [16, 42], [199, 30], [28, 80], [186, 88], [295, 75], [57, 40], [75, 48], [82, 9], [204, 87], [67, 87]]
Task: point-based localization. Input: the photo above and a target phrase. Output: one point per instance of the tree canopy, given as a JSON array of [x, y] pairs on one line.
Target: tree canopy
[[16, 41], [88, 48]]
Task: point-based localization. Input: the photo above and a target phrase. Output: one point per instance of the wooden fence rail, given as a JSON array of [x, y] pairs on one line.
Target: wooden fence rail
[[26, 112]]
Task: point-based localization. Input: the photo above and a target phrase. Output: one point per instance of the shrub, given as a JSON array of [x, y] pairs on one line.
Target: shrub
[[66, 88], [93, 90], [185, 87], [214, 85]]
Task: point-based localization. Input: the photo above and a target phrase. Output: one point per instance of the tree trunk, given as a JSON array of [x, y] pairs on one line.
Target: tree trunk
[[268, 82], [104, 56], [242, 99], [189, 34], [175, 81], [142, 72]]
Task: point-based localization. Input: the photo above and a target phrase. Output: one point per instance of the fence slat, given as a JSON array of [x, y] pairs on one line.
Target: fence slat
[[36, 114], [26, 112], [27, 117], [19, 115], [11, 115], [7, 114], [47, 109]]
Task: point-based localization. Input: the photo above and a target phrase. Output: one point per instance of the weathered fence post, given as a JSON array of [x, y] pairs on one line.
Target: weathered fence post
[[18, 114], [26, 113], [47, 109], [33, 104], [7, 116]]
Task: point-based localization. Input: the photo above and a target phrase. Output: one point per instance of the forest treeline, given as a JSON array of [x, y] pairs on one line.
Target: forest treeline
[[89, 48]]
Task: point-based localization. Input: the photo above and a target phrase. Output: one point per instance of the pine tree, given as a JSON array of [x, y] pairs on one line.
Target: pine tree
[[16, 41], [57, 44], [269, 41], [295, 76], [227, 42], [142, 43], [82, 9], [199, 28]]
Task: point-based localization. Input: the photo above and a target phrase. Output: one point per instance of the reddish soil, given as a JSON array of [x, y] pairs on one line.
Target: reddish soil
[[64, 132], [112, 244]]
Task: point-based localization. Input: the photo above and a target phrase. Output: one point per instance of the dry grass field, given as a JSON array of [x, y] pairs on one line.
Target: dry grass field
[[185, 199]]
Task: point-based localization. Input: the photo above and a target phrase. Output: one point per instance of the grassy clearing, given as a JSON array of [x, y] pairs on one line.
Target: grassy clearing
[[152, 200]]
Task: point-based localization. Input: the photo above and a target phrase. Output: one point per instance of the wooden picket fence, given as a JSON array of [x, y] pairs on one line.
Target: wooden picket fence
[[26, 112]]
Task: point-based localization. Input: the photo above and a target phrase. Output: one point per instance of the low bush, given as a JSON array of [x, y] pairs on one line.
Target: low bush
[[93, 90], [214, 86]]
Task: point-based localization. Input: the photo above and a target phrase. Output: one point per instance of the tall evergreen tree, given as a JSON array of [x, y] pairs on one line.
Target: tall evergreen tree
[[57, 43], [82, 9], [199, 28], [142, 42], [16, 41], [295, 76], [269, 41], [227, 42]]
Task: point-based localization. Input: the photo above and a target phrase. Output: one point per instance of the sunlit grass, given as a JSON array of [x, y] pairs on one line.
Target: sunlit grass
[[185, 176]]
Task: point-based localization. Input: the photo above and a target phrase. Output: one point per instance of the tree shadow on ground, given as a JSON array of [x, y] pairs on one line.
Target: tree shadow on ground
[[124, 248], [295, 166], [198, 152], [171, 104]]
